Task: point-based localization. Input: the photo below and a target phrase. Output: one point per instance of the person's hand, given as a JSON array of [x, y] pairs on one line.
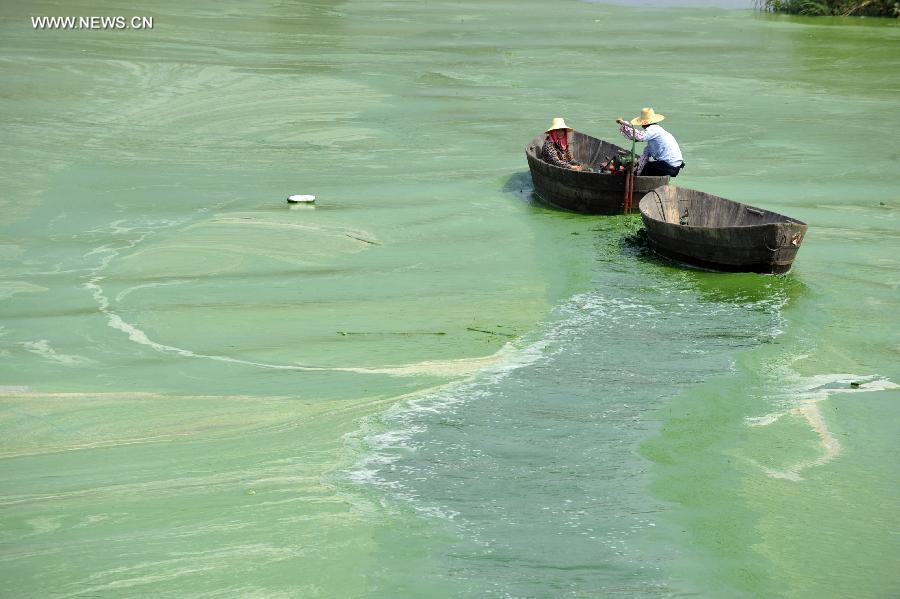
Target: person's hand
[[621, 121], [577, 168]]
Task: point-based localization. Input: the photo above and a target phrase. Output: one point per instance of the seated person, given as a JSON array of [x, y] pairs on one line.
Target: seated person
[[555, 150], [661, 146]]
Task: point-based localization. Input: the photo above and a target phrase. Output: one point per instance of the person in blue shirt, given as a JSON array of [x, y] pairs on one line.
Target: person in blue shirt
[[661, 146]]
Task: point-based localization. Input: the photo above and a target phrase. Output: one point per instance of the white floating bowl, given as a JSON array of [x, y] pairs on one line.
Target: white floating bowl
[[301, 199]]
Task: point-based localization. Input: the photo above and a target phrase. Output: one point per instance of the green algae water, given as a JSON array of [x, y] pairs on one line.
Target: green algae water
[[430, 384]]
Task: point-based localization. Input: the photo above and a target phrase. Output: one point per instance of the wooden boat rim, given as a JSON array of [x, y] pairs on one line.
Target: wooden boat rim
[[786, 219], [538, 142]]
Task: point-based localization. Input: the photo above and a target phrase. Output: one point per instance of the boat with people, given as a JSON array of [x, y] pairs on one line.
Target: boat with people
[[712, 232], [593, 190]]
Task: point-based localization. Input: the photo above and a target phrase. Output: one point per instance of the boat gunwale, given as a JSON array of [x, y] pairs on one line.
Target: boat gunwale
[[538, 142], [789, 220]]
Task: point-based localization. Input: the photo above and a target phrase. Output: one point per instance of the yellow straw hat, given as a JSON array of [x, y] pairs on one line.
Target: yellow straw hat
[[558, 123], [648, 117]]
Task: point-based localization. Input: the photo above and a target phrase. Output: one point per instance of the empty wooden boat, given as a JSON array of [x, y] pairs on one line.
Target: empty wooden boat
[[583, 191], [712, 232]]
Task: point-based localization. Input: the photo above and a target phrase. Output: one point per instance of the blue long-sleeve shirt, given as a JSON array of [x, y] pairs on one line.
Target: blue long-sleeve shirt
[[661, 145]]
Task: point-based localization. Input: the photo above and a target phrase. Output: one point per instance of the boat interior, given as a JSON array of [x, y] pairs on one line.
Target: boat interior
[[592, 151], [692, 208], [587, 150]]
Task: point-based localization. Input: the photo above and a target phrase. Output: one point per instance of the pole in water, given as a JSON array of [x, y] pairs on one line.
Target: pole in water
[[629, 178], [629, 189], [301, 199]]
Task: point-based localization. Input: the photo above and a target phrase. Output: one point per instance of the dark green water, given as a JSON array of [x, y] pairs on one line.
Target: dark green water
[[429, 384]]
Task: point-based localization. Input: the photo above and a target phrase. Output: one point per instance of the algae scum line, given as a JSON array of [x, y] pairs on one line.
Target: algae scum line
[[425, 382]]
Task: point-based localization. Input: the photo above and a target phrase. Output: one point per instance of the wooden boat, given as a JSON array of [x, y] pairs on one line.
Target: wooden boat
[[583, 191], [712, 232]]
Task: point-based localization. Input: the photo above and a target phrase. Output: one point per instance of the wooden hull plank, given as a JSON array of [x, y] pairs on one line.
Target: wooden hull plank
[[712, 232]]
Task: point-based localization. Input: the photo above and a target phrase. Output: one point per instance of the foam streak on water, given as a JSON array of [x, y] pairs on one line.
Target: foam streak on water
[[801, 400]]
